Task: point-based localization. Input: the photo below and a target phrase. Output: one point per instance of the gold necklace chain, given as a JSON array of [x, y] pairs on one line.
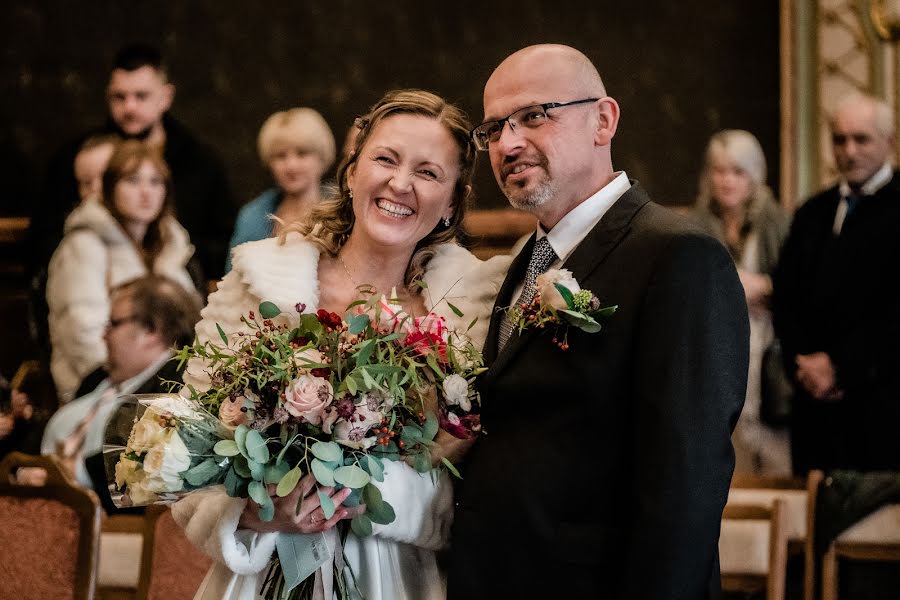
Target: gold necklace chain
[[347, 270]]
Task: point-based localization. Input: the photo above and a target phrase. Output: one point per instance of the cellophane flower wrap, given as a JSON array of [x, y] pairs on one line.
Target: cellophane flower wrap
[[301, 392]]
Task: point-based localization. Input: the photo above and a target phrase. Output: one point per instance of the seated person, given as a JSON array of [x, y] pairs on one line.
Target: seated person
[[149, 317], [298, 147]]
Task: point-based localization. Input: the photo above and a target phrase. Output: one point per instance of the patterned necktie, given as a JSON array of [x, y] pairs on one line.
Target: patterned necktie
[[541, 259]]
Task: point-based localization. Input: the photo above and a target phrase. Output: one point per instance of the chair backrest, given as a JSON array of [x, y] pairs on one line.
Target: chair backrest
[[761, 490], [50, 533], [172, 568], [753, 549]]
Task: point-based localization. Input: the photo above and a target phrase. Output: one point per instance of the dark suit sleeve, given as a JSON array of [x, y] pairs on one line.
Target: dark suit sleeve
[[690, 379], [788, 297]]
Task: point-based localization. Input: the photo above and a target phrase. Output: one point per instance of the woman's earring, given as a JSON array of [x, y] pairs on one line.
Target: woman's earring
[[446, 221], [350, 193]]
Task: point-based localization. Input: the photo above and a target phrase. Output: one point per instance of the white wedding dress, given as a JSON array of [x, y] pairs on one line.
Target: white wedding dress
[[398, 561]]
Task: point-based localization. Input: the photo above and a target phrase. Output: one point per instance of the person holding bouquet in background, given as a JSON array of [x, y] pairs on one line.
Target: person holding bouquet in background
[[392, 226]]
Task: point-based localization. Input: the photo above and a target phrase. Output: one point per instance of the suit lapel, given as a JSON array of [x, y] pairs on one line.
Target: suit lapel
[[586, 258]]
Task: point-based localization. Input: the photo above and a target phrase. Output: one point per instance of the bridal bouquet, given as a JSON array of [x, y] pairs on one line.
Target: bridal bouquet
[[560, 303], [316, 393]]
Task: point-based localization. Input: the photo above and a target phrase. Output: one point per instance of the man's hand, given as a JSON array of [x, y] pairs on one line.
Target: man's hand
[[816, 374], [309, 518]]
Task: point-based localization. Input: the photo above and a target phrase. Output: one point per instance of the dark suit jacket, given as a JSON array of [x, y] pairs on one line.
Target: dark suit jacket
[[604, 469], [836, 294], [97, 464]]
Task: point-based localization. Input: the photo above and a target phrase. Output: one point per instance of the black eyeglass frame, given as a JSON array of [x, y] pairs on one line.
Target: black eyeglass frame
[[501, 122]]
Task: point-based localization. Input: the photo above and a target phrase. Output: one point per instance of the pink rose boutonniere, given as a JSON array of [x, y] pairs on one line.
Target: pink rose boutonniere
[[560, 303]]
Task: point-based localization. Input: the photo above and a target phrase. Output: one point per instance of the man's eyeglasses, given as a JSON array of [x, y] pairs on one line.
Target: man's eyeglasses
[[530, 117], [114, 323]]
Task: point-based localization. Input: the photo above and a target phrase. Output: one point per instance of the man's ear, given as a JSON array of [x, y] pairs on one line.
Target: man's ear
[[607, 121], [168, 96]]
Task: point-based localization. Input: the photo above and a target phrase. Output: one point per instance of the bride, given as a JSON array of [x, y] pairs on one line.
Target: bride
[[393, 224]]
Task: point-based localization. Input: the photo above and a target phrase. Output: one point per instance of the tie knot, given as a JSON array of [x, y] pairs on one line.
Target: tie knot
[[542, 256]]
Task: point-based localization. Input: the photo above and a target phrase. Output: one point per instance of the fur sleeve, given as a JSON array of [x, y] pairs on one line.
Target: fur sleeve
[[456, 276]]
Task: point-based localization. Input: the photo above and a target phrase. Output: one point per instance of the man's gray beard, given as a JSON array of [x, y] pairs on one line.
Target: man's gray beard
[[544, 193]]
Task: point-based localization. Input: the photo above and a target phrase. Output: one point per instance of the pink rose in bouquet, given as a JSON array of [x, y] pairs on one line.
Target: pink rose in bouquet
[[307, 397]]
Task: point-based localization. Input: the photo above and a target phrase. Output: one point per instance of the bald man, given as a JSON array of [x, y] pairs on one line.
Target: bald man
[[604, 468], [835, 307]]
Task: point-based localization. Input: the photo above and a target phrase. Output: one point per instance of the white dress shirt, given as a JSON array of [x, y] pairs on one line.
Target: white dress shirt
[[877, 181]]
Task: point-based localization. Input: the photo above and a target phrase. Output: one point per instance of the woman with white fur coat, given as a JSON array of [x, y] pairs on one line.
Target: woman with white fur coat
[[398, 210], [129, 234]]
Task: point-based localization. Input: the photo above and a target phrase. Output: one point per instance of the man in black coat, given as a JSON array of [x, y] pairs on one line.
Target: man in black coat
[[604, 468], [835, 304], [139, 96]]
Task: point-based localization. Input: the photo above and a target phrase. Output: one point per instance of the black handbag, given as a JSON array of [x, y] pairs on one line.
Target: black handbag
[[776, 390]]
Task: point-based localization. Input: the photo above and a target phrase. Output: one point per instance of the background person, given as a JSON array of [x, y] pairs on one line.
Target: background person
[[737, 207], [298, 147], [130, 234]]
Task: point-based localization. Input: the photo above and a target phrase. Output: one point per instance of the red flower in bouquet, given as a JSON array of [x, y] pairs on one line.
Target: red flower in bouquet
[[429, 335], [329, 319]]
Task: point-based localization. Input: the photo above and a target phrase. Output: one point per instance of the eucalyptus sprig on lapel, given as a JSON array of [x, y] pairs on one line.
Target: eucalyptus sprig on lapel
[[560, 303]]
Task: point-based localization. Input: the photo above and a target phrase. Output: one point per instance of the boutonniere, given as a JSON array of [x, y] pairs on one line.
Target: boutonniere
[[560, 303]]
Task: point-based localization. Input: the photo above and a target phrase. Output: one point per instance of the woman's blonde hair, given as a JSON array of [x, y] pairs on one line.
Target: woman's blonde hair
[[126, 159], [332, 220], [302, 127]]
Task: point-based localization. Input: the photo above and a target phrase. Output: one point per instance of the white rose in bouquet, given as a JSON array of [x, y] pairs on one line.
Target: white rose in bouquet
[[307, 358], [456, 391], [550, 296], [127, 471], [140, 494], [165, 463], [145, 433]]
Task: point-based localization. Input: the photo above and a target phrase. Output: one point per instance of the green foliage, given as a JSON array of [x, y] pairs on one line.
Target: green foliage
[[268, 310], [288, 482]]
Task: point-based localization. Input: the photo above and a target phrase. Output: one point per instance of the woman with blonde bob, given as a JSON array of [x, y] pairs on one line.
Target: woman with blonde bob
[[298, 148], [736, 206], [131, 233], [392, 224]]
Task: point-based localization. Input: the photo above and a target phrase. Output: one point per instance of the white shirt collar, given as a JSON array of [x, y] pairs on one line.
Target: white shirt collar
[[877, 181], [574, 227]]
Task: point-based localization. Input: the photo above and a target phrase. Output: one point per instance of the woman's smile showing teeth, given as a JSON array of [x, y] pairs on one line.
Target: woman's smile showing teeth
[[393, 209]]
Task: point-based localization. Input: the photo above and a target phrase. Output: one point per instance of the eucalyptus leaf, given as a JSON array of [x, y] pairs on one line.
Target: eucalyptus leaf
[[361, 525], [382, 515], [604, 312], [275, 473], [371, 495], [357, 324], [267, 511], [242, 467], [327, 504], [354, 499], [201, 473], [422, 462], [226, 448], [581, 321], [240, 438], [235, 485], [268, 310], [222, 334], [258, 493], [430, 429], [352, 476], [256, 447], [257, 470], [322, 472], [327, 451], [374, 467], [288, 482], [411, 434]]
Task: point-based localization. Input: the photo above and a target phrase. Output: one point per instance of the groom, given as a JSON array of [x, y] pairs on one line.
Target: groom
[[604, 468]]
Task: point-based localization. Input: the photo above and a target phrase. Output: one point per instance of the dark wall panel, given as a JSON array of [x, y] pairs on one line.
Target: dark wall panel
[[680, 70]]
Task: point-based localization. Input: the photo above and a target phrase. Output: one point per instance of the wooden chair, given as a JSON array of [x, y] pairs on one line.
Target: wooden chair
[[172, 568], [50, 533], [876, 538], [753, 549], [121, 548]]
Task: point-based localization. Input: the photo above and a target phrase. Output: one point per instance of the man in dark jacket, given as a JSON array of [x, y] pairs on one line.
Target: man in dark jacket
[[834, 304], [139, 96]]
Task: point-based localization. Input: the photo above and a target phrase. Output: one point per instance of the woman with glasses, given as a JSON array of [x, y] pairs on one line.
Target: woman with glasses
[[737, 207], [130, 234]]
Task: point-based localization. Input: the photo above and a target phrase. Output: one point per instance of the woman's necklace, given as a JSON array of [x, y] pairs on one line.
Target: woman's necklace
[[347, 270]]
